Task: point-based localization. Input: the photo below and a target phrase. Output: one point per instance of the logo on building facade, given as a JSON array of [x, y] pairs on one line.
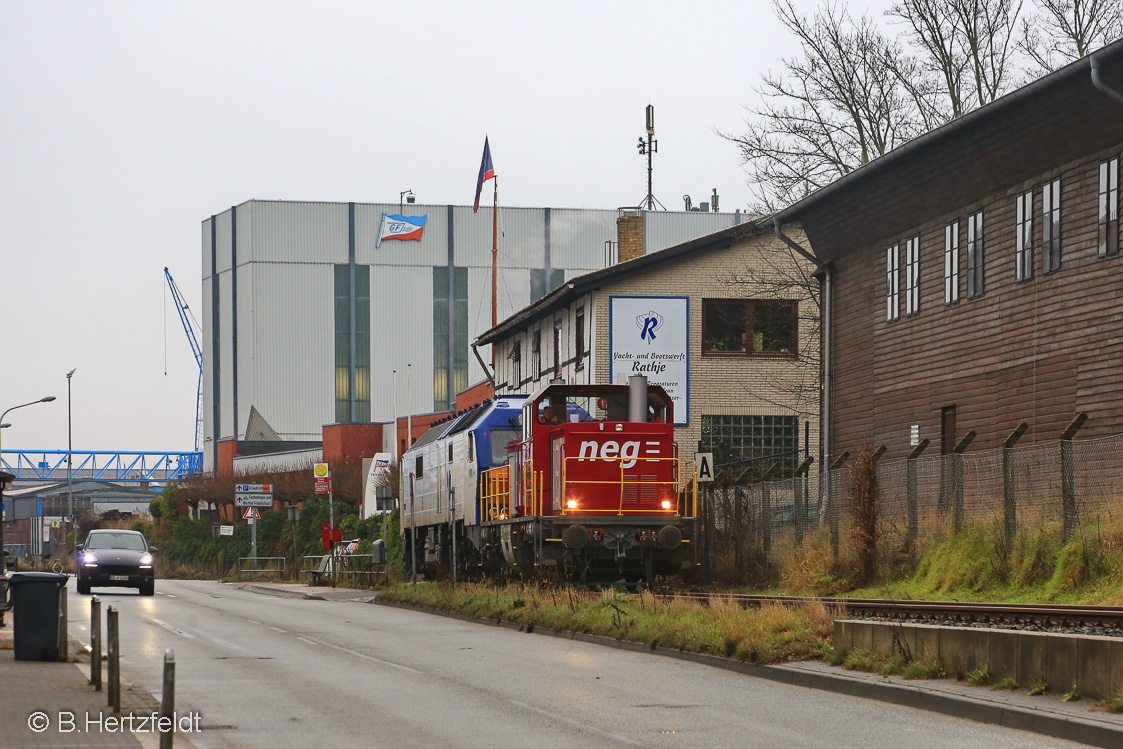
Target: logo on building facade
[[648, 323], [395, 226]]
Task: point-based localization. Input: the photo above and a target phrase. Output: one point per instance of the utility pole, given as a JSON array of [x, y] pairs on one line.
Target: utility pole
[[69, 460]]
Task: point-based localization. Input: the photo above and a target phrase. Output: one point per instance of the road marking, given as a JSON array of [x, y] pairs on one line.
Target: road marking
[[276, 628], [224, 643], [251, 621], [170, 628], [360, 655], [306, 640], [574, 723]]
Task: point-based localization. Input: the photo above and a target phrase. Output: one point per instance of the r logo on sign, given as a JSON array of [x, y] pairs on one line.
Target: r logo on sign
[[648, 323]]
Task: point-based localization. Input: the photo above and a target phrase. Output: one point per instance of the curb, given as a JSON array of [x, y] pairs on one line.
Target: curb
[[1085, 732], [278, 593]]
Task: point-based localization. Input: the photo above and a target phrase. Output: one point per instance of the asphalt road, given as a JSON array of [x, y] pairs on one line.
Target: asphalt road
[[273, 672]]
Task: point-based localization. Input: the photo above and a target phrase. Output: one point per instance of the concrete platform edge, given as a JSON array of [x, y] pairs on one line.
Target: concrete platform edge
[[1083, 732]]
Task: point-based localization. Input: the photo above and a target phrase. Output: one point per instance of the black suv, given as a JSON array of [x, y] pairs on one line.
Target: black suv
[[116, 558]]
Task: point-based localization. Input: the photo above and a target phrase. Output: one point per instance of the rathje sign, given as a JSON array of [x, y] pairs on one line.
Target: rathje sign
[[253, 495]]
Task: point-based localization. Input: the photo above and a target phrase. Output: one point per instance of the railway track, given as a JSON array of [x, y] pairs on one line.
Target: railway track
[[951, 612]]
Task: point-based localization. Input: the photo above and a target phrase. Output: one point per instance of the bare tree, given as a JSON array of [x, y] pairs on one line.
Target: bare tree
[[833, 108], [1065, 30], [965, 52]]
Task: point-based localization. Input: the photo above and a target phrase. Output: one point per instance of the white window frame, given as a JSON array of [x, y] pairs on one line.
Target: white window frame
[[951, 263], [1051, 226], [1023, 253], [976, 257], [892, 283], [1108, 214], [912, 275]]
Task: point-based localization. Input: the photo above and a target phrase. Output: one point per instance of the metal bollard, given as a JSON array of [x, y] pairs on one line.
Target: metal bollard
[[114, 660], [95, 643], [167, 700]]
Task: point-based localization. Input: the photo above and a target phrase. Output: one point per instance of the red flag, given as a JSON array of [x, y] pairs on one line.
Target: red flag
[[487, 171]]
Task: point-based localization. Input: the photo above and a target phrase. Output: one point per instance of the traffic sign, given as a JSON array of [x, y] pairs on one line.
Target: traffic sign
[[321, 470], [253, 499], [226, 530], [322, 484], [251, 513], [254, 488], [704, 466]]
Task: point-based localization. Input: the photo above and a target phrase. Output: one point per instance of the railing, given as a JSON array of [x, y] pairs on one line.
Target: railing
[[682, 486], [273, 565], [496, 498], [356, 565], [533, 488]]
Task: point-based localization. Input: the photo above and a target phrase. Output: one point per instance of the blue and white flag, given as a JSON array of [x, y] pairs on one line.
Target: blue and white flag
[[400, 227]]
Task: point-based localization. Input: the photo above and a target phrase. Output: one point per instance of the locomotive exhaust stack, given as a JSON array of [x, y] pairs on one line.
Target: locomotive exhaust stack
[[637, 398]]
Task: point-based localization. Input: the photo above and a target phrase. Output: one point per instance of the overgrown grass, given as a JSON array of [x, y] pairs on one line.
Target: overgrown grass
[[770, 634], [978, 565], [887, 665]]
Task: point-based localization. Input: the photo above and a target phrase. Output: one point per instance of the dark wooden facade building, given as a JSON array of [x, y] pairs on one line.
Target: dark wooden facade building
[[976, 274]]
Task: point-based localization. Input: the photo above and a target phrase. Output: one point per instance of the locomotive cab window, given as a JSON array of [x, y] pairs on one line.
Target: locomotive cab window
[[500, 440]]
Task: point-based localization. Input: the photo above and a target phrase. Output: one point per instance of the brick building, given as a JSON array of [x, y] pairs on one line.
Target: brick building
[[975, 276], [726, 323]]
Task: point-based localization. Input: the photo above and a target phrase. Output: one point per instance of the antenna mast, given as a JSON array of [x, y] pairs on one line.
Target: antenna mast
[[649, 149]]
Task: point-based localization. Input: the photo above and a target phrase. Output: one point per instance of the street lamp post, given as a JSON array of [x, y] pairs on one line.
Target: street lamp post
[[69, 473], [47, 399], [5, 479]]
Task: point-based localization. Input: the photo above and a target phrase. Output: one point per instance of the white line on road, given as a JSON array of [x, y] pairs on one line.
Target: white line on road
[[276, 628], [251, 621], [577, 724], [360, 655], [306, 640], [170, 628]]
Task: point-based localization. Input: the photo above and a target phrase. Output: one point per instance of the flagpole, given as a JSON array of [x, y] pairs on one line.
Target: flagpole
[[494, 262]]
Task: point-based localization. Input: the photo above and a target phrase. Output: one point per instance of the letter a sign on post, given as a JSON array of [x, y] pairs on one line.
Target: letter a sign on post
[[704, 463]]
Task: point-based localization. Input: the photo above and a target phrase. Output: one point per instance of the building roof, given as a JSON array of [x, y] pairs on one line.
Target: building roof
[[1053, 120], [576, 287]]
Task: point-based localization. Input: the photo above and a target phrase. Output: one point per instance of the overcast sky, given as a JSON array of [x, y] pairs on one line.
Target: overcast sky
[[125, 124]]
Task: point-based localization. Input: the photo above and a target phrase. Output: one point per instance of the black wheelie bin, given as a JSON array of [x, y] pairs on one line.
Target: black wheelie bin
[[35, 599]]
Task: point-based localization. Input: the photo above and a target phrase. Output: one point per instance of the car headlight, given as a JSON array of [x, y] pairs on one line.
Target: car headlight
[[89, 559], [146, 560]]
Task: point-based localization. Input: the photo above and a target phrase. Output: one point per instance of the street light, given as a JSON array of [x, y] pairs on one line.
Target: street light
[[7, 478], [69, 457], [48, 399]]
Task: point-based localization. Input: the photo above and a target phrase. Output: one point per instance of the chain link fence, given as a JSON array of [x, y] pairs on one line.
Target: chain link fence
[[798, 529]]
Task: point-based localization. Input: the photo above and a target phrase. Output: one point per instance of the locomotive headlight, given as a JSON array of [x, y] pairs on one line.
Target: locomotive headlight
[[571, 504], [666, 504]]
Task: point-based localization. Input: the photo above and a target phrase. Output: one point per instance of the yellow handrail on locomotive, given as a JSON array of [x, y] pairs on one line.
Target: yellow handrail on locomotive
[[496, 498], [683, 485], [532, 488]]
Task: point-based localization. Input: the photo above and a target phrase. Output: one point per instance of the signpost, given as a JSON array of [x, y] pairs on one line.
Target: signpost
[[226, 530], [704, 466], [253, 496], [323, 471]]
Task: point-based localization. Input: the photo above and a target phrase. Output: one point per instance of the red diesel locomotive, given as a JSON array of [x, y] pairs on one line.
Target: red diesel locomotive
[[594, 492]]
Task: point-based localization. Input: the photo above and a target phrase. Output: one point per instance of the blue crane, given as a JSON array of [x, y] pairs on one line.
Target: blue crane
[[187, 319]]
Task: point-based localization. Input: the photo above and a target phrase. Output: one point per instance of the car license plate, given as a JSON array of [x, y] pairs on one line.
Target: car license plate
[[122, 578]]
